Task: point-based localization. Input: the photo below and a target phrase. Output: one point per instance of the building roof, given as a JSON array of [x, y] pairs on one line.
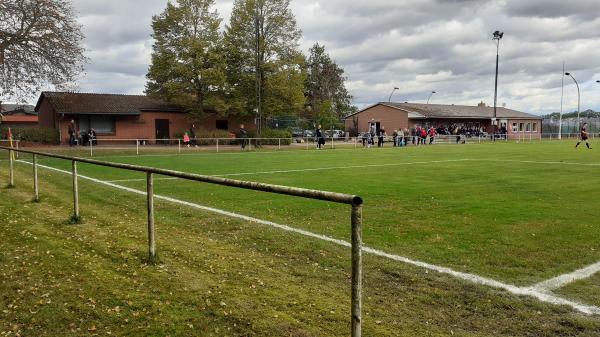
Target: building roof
[[422, 111], [10, 109], [103, 104]]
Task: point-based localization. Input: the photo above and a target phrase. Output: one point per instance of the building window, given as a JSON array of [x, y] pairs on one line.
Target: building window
[[515, 128], [534, 128], [100, 124], [222, 124], [520, 127], [528, 127]]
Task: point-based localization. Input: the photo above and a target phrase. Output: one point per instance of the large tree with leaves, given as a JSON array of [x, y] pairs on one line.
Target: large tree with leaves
[[40, 43], [326, 91], [188, 65], [264, 64]]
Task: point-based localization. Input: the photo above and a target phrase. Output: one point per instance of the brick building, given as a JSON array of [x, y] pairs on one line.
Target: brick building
[[18, 116], [115, 116], [393, 116]]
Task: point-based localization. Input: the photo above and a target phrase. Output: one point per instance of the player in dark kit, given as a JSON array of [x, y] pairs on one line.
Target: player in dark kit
[[584, 136]]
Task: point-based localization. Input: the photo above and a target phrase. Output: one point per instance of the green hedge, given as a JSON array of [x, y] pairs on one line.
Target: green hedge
[[285, 135], [34, 135]]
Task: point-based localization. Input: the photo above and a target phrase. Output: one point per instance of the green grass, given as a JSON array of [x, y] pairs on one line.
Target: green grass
[[516, 222], [585, 291]]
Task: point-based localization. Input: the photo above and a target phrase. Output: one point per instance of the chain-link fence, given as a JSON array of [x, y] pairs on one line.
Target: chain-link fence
[[569, 125]]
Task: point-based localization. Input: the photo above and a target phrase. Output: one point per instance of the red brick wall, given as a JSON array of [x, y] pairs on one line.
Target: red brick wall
[[391, 119], [46, 115]]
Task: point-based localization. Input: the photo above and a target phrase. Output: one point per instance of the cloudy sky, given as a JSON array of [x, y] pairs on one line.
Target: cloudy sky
[[415, 45]]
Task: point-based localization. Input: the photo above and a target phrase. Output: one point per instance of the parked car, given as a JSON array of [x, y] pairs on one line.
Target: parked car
[[308, 133], [297, 132], [334, 133]]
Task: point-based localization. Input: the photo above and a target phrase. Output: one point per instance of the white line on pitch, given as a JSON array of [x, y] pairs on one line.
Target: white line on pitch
[[139, 179], [308, 169], [562, 280], [539, 162], [527, 291]]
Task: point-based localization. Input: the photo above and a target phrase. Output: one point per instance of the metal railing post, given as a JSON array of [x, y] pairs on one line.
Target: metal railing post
[[279, 140], [91, 148], [36, 194], [11, 172], [137, 146], [355, 141], [17, 145], [217, 145], [75, 217], [356, 219], [332, 142], [150, 202], [178, 145]]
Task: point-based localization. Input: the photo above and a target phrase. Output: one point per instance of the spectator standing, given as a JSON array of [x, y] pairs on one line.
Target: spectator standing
[[93, 137], [380, 137], [400, 138], [423, 135], [431, 135], [193, 136], [320, 137], [243, 136], [72, 132], [395, 137], [186, 139]]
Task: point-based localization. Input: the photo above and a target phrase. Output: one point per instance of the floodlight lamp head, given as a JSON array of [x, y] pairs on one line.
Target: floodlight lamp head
[[396, 88], [568, 74], [498, 35]]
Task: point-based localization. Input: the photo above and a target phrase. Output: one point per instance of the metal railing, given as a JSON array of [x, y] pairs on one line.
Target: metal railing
[[354, 201]]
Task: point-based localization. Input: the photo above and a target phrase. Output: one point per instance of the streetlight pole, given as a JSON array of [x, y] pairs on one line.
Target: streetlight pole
[[497, 37], [433, 92], [578, 101], [390, 99]]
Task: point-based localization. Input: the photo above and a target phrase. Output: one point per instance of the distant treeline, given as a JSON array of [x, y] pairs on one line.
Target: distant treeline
[[583, 114]]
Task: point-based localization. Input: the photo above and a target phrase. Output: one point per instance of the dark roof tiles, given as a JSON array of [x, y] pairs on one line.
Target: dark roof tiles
[[459, 111], [90, 103]]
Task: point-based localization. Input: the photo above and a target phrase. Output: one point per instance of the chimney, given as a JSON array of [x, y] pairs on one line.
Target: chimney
[[481, 104]]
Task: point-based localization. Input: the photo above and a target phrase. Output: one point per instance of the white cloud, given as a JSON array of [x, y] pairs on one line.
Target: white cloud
[[417, 45]]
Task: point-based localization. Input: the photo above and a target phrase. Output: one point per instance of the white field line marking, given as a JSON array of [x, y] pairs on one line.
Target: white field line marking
[[539, 162], [307, 169], [526, 291], [562, 280], [139, 179]]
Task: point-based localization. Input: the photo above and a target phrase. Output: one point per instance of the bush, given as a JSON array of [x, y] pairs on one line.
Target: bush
[[34, 135], [284, 135]]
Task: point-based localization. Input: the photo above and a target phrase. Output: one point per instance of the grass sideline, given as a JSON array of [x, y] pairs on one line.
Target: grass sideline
[[221, 277]]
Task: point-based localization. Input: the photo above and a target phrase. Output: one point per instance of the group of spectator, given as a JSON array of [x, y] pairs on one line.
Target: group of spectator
[[82, 138], [416, 136]]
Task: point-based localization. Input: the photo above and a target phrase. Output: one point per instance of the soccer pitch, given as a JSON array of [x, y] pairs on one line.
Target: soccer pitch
[[522, 215]]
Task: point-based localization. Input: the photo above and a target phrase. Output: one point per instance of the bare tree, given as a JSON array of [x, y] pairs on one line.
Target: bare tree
[[40, 42]]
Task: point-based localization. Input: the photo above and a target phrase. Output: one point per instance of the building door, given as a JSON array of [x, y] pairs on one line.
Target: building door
[[162, 131], [377, 126]]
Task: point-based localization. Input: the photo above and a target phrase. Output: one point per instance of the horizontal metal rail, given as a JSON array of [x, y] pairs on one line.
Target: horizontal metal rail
[[279, 189], [353, 200]]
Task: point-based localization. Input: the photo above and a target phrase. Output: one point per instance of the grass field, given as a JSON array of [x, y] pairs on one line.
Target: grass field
[[516, 213]]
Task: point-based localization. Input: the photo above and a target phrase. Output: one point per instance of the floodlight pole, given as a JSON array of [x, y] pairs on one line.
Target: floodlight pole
[[433, 92], [390, 99], [497, 37], [562, 95], [578, 101]]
